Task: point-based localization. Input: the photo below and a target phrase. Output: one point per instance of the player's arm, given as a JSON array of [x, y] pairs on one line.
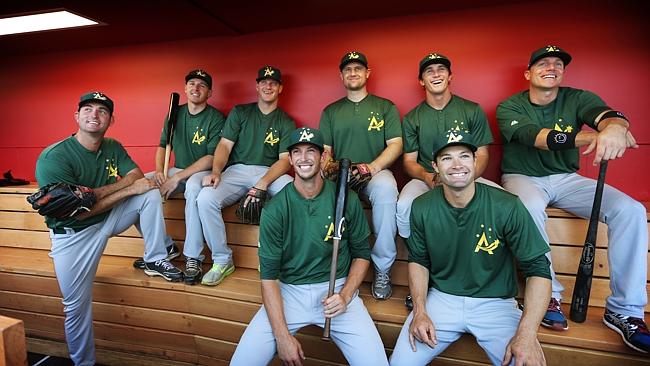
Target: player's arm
[[169, 186], [482, 158], [614, 136], [288, 347], [275, 171], [338, 303], [525, 346], [387, 157], [417, 171], [219, 161], [421, 328], [160, 163], [133, 183]]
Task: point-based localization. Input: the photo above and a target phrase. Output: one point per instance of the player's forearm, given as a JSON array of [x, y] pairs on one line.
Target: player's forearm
[[417, 171], [275, 171], [127, 180], [538, 294], [272, 299], [482, 158], [583, 138], [204, 163], [221, 155], [418, 285], [160, 159], [387, 157], [106, 202], [358, 270]]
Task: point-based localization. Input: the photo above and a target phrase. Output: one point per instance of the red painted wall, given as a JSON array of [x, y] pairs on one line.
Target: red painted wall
[[489, 49]]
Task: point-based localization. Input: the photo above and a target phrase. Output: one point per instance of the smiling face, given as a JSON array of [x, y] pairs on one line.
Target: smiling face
[[546, 74], [305, 159], [355, 76], [436, 78], [197, 91], [268, 90], [93, 118], [456, 166]]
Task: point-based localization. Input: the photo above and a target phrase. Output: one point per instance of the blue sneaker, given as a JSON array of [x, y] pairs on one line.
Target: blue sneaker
[[633, 330], [554, 317]]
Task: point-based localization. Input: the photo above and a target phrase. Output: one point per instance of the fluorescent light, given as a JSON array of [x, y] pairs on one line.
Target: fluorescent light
[[43, 21]]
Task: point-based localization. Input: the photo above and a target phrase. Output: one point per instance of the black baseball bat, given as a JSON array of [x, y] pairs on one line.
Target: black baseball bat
[[172, 116], [339, 220], [582, 287]]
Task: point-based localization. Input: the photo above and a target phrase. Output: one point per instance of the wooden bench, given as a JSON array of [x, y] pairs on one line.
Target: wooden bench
[[140, 320], [12, 342]]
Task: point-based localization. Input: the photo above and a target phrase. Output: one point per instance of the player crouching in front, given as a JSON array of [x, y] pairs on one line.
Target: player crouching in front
[[465, 238], [295, 256]]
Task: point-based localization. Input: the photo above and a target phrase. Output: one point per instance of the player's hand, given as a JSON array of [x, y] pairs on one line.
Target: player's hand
[[259, 185], [143, 185], [526, 350], [160, 178], [335, 305], [169, 186], [430, 179], [289, 350], [422, 330], [612, 142], [212, 179]]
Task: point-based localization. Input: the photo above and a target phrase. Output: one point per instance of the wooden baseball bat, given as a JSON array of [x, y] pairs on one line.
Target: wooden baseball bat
[[582, 287], [172, 116], [339, 220]]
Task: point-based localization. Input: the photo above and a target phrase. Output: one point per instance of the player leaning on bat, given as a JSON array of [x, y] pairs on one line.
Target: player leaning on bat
[[541, 130], [194, 139], [295, 255], [465, 238], [253, 152], [366, 129], [123, 197]]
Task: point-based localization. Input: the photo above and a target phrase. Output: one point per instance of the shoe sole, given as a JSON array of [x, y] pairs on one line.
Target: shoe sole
[[555, 326], [620, 332], [192, 280], [151, 273], [223, 277]]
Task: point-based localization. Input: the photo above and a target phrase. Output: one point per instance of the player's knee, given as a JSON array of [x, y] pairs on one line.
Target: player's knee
[[152, 197], [627, 210], [207, 201]]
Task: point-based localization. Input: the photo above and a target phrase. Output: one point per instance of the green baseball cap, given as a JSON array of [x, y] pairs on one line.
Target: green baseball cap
[[306, 135], [353, 56], [434, 58], [97, 97], [200, 74], [452, 138], [549, 51], [269, 72]]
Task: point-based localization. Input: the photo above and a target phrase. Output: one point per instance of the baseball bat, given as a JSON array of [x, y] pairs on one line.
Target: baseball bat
[[582, 287], [339, 220], [172, 115]]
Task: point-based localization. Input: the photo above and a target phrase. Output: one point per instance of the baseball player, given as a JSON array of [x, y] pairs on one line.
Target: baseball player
[[253, 151], [440, 113], [124, 197], [195, 138], [465, 238], [541, 129], [366, 129], [295, 256]]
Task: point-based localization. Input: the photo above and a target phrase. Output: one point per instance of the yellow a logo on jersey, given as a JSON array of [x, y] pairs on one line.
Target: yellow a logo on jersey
[[198, 139], [567, 129], [374, 124], [112, 170], [270, 139], [330, 232], [484, 244]]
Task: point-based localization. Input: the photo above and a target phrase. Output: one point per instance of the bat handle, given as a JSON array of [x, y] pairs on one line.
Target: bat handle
[[330, 290]]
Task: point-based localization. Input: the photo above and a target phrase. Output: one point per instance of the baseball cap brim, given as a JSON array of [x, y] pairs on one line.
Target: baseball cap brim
[[565, 57]]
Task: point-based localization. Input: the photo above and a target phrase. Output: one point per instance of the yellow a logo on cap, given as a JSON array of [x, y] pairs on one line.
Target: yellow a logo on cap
[[99, 96], [454, 137], [552, 49], [306, 135], [269, 71], [353, 56]]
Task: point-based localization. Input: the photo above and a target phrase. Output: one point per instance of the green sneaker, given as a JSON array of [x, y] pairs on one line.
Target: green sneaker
[[217, 273]]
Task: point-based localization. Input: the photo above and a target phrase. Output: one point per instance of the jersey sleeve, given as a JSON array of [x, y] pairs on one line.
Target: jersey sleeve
[[53, 168], [392, 122], [416, 243], [232, 126], [325, 127], [163, 135], [124, 161], [410, 134], [216, 127], [523, 237], [270, 243], [588, 102], [512, 116], [480, 128], [358, 226]]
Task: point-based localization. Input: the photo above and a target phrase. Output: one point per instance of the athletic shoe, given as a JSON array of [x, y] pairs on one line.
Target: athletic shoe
[[554, 317], [408, 302], [172, 253], [218, 273], [193, 271], [163, 268], [633, 330], [381, 286]]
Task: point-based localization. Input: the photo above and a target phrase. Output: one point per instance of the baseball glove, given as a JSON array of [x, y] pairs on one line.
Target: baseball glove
[[359, 177], [62, 200], [331, 170], [253, 210]]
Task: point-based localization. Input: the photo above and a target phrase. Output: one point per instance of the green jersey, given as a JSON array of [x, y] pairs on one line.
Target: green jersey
[[195, 136], [424, 124], [68, 161], [259, 138], [296, 236], [470, 251], [567, 113], [359, 130]]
